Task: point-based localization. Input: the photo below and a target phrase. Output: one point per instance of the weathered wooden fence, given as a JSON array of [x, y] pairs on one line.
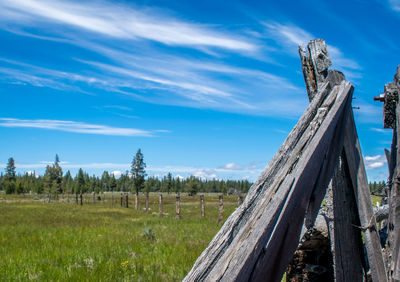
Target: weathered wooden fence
[[258, 240], [391, 120]]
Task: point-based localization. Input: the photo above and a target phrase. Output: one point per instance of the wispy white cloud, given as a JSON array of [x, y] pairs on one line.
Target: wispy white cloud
[[290, 36], [374, 162], [395, 5], [232, 166], [382, 130], [73, 126], [123, 22]]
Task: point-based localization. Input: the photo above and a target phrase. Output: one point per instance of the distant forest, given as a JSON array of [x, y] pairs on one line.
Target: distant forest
[[55, 182]]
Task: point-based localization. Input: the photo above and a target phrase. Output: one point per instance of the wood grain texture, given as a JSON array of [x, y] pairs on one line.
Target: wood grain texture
[[347, 244], [361, 190], [273, 211]]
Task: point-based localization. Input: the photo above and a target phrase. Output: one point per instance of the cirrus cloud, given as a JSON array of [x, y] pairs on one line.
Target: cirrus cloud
[[73, 126]]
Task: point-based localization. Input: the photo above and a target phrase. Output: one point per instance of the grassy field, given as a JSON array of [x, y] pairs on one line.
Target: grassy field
[[104, 241], [98, 241]]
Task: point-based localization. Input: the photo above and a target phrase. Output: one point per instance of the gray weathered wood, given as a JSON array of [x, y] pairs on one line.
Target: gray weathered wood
[[178, 207], [382, 213], [315, 63], [347, 244], [361, 190], [309, 182], [303, 166], [394, 209]]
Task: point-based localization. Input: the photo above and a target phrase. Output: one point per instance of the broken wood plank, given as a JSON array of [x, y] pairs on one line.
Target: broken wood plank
[[315, 63], [237, 251]]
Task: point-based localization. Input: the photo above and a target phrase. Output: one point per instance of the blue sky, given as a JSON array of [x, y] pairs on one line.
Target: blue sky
[[208, 88]]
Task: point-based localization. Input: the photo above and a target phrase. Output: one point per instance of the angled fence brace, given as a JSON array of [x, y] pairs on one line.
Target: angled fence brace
[[349, 193], [258, 240]]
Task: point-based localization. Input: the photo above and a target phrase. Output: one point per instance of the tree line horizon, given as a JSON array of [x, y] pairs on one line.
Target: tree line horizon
[[54, 182]]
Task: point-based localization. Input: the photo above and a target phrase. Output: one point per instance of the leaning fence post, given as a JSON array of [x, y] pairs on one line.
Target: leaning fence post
[[202, 206], [178, 207], [221, 210], [161, 205]]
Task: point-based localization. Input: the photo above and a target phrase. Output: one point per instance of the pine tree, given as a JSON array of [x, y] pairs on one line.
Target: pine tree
[[10, 177], [138, 171], [80, 182], [169, 182], [113, 183], [57, 176]]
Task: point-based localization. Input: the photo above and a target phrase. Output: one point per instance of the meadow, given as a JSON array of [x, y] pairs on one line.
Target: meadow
[[100, 241]]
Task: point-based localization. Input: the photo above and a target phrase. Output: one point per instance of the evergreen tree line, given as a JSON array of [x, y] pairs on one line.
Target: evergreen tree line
[[377, 188], [54, 182]]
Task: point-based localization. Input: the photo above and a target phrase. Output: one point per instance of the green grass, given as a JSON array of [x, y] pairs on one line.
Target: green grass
[[375, 199], [93, 242]]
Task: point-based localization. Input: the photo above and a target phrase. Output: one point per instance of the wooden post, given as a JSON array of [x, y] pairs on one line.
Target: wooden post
[[346, 243], [221, 210], [202, 206], [178, 207], [137, 201], [76, 198], [104, 197], [81, 199], [94, 197], [161, 205], [240, 200], [342, 214], [362, 194], [147, 202], [68, 196], [127, 200], [121, 199]]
